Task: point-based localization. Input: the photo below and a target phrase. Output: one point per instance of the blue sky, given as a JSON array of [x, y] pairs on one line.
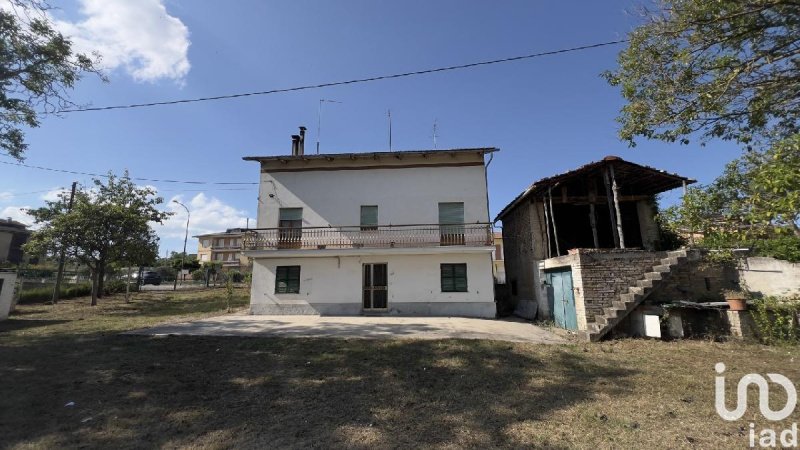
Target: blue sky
[[547, 115]]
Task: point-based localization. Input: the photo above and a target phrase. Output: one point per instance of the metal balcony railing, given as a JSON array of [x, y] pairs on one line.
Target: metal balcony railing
[[381, 236]]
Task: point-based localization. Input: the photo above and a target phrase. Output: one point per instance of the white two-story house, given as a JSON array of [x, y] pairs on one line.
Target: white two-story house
[[404, 233]]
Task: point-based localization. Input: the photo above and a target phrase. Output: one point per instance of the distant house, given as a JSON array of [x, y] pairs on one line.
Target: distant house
[[224, 248], [403, 232], [583, 247], [13, 236]]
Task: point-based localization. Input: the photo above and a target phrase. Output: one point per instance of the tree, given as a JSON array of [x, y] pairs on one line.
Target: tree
[[724, 69], [107, 224], [754, 203], [37, 68]]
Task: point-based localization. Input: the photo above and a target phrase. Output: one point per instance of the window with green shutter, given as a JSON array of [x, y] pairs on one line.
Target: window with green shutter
[[369, 217], [287, 280], [451, 223], [454, 277]]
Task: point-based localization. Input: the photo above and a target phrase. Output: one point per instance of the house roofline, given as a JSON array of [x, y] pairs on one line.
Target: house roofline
[[370, 155]]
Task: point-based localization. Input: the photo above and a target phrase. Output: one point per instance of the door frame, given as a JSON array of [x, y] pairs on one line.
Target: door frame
[[372, 288]]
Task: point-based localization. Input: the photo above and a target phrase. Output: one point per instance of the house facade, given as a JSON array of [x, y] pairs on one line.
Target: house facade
[[404, 233], [224, 248]]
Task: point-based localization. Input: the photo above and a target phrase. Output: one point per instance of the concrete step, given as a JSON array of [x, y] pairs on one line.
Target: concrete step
[[584, 336], [681, 252], [654, 276], [612, 313], [646, 283], [601, 320], [663, 268]]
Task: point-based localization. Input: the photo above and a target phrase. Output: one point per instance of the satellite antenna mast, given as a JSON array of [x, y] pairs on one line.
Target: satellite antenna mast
[[435, 135], [390, 129], [319, 118]]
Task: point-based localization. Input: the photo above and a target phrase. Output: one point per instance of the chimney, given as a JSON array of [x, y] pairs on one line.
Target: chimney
[[295, 145], [302, 143]]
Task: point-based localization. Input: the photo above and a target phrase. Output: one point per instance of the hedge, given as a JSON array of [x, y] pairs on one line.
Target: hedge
[[44, 294]]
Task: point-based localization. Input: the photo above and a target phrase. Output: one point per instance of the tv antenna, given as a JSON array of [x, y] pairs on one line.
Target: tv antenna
[[319, 118], [435, 132]]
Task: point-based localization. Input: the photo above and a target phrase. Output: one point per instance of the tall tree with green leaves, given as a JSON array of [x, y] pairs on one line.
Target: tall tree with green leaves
[[109, 223], [717, 69], [38, 67]]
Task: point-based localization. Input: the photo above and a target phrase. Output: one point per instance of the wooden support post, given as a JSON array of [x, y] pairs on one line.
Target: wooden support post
[[591, 188], [547, 227], [615, 190], [553, 219], [614, 230]]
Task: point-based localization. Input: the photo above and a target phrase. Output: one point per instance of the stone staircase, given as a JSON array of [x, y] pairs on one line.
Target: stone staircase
[[635, 295]]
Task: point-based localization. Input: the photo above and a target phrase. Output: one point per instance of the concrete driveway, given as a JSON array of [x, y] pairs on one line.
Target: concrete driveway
[[513, 330]]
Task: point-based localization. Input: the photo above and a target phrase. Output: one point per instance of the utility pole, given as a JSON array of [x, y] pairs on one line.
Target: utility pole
[[185, 238], [63, 255]]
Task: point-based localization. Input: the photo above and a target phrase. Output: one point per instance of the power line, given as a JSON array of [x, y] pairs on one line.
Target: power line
[[153, 180], [358, 80]]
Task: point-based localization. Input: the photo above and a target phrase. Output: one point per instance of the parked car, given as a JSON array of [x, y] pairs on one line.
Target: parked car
[[151, 277]]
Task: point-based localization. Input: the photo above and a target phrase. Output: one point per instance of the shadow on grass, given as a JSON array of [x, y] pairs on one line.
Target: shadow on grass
[[135, 391], [13, 324]]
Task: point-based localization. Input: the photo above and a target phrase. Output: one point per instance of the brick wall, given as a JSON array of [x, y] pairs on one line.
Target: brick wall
[[599, 276]]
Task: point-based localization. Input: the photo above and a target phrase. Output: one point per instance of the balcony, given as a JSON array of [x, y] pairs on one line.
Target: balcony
[[221, 247], [382, 236]]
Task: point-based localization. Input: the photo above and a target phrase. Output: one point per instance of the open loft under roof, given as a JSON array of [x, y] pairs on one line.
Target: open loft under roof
[[578, 186]]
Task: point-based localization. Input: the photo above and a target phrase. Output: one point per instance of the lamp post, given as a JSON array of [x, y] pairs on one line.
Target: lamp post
[[185, 238]]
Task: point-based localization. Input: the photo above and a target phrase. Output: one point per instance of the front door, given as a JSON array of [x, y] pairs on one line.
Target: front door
[[562, 298], [376, 292]]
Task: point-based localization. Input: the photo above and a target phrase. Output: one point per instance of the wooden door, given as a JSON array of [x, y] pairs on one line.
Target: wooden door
[[561, 298]]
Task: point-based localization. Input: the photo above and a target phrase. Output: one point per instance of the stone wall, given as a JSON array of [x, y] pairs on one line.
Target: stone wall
[[695, 280], [519, 260]]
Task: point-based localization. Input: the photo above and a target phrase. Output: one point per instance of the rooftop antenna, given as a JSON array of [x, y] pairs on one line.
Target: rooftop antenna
[[435, 132], [319, 118], [390, 129]]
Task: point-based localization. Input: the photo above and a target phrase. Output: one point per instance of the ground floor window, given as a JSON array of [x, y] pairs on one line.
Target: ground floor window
[[454, 277], [287, 280]]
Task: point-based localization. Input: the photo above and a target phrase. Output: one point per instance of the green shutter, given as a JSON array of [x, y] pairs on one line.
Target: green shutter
[[451, 213], [290, 214], [454, 277], [369, 216]]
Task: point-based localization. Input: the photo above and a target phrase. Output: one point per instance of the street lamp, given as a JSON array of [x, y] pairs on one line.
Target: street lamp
[[185, 238]]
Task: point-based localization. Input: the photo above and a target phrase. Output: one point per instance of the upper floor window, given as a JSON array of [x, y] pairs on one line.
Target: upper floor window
[[451, 223], [290, 224], [369, 217]]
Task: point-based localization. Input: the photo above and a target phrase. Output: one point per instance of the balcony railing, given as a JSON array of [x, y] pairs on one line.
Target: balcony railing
[[382, 236]]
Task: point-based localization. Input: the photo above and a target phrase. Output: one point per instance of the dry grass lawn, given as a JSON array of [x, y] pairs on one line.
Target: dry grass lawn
[[143, 392]]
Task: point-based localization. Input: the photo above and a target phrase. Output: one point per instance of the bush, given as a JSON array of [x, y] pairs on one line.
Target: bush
[[235, 276], [45, 294], [199, 275], [777, 320]]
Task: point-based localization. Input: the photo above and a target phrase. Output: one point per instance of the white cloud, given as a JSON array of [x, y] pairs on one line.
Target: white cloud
[[6, 196], [53, 194], [208, 215], [17, 213], [139, 37]]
